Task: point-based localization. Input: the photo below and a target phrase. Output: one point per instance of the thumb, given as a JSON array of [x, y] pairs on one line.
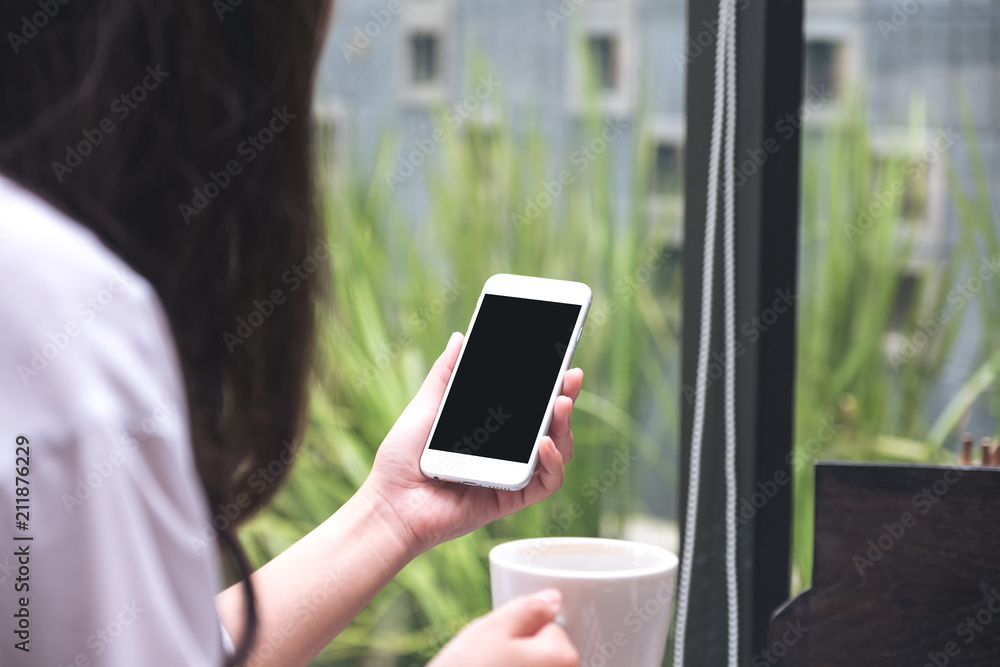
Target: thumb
[[524, 616], [432, 390]]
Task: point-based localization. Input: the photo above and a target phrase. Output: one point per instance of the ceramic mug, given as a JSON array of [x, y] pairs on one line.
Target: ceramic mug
[[617, 595]]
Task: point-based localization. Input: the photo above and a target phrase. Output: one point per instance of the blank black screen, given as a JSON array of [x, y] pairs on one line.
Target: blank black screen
[[502, 386]]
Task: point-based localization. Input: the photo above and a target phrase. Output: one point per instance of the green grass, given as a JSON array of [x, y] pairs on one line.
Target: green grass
[[402, 285], [850, 271]]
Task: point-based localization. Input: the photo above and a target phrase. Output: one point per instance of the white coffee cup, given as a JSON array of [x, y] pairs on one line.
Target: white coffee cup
[[617, 595]]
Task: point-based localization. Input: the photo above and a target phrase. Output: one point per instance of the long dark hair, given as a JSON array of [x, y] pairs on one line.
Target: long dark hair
[[179, 132]]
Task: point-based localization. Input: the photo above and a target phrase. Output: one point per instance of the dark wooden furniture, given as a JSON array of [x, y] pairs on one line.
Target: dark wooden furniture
[[906, 571]]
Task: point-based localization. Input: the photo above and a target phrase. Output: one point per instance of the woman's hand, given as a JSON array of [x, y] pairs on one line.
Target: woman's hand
[[519, 633], [430, 512]]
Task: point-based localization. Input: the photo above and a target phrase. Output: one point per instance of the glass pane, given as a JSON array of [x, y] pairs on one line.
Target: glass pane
[[603, 58], [550, 144], [424, 53], [898, 323]]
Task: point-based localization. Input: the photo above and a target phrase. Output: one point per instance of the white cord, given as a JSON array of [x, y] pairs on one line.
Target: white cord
[[729, 278], [724, 107]]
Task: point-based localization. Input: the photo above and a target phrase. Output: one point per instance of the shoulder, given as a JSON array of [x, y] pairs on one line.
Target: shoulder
[[89, 373], [74, 313], [52, 265]]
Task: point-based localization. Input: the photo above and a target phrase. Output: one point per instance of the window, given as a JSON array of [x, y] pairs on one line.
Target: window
[[914, 205], [666, 171], [329, 135], [822, 66], [903, 303], [663, 178], [910, 173], [905, 278], [424, 55], [604, 60], [483, 139]]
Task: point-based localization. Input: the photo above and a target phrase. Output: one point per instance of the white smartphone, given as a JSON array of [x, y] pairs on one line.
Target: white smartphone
[[499, 400]]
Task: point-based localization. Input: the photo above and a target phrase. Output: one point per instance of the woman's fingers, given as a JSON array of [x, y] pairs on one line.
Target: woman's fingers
[[572, 382], [556, 448], [524, 616], [432, 390], [561, 428], [548, 476]]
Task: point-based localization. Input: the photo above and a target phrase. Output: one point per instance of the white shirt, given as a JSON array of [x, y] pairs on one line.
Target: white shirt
[[119, 569]]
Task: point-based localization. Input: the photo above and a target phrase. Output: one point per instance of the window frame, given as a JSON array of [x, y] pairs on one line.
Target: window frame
[[604, 19], [769, 85], [663, 207], [431, 17]]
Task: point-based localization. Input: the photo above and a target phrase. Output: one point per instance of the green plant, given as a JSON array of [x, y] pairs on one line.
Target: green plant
[[400, 286], [855, 250]]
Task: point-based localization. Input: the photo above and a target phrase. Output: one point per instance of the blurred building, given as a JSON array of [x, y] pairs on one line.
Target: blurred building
[[921, 56], [391, 65]]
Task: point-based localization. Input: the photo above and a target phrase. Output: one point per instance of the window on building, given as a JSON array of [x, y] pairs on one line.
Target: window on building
[[328, 134], [822, 65], [484, 142], [914, 179], [425, 54], [666, 170], [914, 206], [903, 303], [604, 58]]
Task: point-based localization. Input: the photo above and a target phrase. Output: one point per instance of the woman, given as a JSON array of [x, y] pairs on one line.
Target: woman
[[155, 184]]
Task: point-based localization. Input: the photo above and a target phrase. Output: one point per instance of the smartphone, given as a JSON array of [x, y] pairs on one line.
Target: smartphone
[[499, 400]]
